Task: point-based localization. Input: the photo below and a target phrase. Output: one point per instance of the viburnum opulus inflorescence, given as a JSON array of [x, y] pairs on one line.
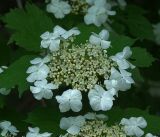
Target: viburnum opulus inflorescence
[[95, 11], [80, 68]]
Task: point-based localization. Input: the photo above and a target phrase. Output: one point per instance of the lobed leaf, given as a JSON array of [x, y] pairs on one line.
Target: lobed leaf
[[16, 75], [27, 26]]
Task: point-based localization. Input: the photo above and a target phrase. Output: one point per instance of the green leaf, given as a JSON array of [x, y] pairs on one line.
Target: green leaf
[[2, 101], [153, 122], [27, 26], [134, 10], [137, 75], [118, 42], [16, 75], [140, 27], [47, 119], [141, 57], [5, 55]]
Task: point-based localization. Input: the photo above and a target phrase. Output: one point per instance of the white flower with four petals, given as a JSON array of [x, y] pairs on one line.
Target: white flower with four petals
[[132, 126], [70, 99], [101, 39], [119, 80], [39, 70], [121, 59], [72, 124], [59, 8], [52, 40], [42, 89], [100, 99], [7, 127], [98, 13], [34, 132]]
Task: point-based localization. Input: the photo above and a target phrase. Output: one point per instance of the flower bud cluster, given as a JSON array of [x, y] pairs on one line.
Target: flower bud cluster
[[78, 6], [79, 66]]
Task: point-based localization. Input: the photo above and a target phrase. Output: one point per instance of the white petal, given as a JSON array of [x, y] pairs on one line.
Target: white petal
[[73, 31], [76, 105], [59, 30], [65, 123], [54, 46], [46, 134], [79, 121], [127, 52], [141, 122], [45, 43], [123, 64], [45, 35], [88, 18], [104, 34], [48, 94], [39, 95], [115, 74], [34, 130], [35, 89], [90, 116], [94, 40], [32, 69], [150, 135], [106, 102], [102, 117], [105, 44], [36, 61], [32, 77], [73, 130], [41, 83], [75, 94]]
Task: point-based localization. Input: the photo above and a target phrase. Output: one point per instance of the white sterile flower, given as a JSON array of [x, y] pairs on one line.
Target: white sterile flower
[[150, 135], [132, 126], [156, 30], [98, 13], [50, 40], [119, 80], [92, 116], [59, 8], [34, 132], [39, 70], [40, 61], [69, 33], [70, 99], [101, 39], [100, 99], [72, 124], [121, 58], [7, 128], [59, 32], [42, 89]]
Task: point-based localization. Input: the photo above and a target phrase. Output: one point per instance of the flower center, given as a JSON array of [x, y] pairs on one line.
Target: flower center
[[78, 6], [81, 67]]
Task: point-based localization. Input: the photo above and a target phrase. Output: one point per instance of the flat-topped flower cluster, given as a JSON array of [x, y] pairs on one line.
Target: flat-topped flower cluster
[[95, 11], [85, 67]]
